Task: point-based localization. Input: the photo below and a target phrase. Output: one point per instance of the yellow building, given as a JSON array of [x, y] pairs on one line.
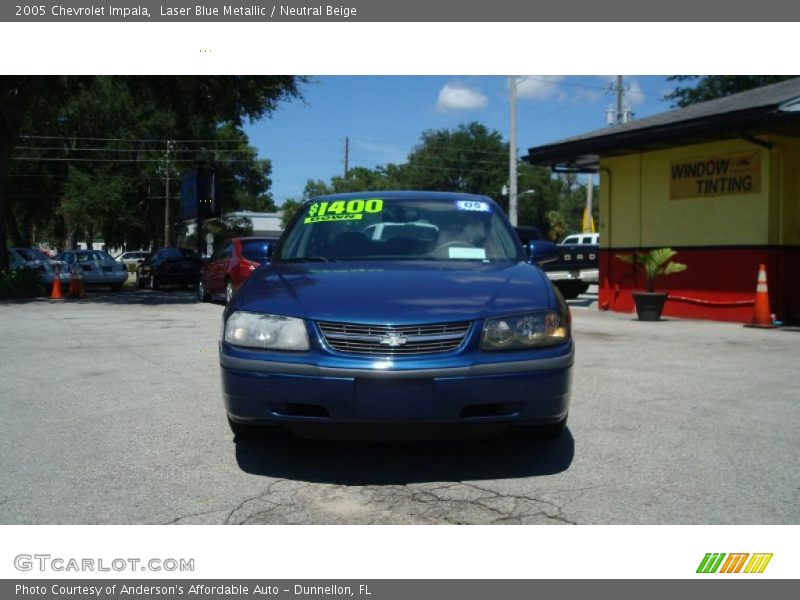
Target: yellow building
[[719, 182]]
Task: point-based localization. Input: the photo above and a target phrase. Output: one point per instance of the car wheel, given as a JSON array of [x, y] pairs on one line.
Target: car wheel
[[116, 287], [228, 291], [244, 431], [568, 289], [202, 295], [153, 283]]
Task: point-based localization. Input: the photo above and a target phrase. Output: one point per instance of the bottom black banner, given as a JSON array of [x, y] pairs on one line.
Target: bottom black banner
[[390, 589]]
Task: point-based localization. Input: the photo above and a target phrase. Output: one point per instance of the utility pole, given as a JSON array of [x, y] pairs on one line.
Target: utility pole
[[346, 156], [587, 222], [617, 113], [512, 155], [166, 200]]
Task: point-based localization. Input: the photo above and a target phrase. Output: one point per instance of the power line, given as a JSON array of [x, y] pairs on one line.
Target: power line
[[132, 150], [148, 141], [113, 160]]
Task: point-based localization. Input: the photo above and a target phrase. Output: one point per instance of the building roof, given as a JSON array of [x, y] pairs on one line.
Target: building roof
[[769, 109]]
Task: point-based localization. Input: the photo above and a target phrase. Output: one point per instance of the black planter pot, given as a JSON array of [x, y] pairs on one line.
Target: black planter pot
[[649, 305]]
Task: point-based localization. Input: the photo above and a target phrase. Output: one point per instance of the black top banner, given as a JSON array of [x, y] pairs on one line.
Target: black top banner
[[401, 11]]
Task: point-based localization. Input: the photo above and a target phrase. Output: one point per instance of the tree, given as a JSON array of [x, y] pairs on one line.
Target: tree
[[24, 100], [469, 159], [709, 87], [221, 229], [539, 195], [116, 128], [288, 209]]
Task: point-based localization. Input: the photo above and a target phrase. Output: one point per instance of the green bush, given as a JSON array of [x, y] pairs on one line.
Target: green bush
[[22, 283]]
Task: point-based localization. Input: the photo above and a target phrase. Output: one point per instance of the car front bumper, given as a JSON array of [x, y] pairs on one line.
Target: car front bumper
[[513, 392]]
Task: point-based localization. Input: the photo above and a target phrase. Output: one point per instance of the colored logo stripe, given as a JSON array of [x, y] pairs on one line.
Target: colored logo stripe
[[710, 563], [758, 563], [733, 564]]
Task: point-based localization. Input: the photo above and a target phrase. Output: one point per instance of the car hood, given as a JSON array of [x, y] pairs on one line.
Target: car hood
[[395, 293]]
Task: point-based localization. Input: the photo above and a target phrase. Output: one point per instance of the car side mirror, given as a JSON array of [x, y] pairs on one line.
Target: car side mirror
[[541, 252]]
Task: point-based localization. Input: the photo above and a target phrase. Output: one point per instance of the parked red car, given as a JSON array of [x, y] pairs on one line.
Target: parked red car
[[230, 265]]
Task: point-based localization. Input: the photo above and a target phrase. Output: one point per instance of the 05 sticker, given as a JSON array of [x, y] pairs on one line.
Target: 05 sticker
[[342, 210], [473, 205]]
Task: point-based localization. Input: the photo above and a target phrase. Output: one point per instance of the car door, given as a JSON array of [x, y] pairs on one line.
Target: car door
[[217, 268], [144, 269]]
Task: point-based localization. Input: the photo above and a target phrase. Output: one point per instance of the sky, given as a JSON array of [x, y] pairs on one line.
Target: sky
[[384, 117]]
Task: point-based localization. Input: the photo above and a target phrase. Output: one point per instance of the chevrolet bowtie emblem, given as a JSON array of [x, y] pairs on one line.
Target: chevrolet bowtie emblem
[[393, 340]]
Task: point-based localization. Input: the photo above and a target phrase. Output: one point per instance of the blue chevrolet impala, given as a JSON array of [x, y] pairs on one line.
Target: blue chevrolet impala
[[398, 308]]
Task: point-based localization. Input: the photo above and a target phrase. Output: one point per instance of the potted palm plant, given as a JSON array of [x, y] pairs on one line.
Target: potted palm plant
[[650, 304]]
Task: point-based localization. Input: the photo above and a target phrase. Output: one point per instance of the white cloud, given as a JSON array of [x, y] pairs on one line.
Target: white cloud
[[540, 87], [587, 96], [459, 97], [634, 95]]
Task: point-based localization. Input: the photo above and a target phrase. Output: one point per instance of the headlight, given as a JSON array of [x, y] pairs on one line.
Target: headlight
[[271, 332], [520, 332]]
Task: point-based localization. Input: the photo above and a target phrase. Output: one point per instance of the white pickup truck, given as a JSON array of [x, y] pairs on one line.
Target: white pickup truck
[[577, 264], [581, 238]]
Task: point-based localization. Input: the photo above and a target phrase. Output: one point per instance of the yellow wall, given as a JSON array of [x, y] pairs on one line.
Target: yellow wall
[[636, 210]]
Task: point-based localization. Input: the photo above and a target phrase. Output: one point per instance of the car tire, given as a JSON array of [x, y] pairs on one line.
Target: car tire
[[569, 289], [153, 283], [202, 294], [228, 291], [116, 287], [244, 431]]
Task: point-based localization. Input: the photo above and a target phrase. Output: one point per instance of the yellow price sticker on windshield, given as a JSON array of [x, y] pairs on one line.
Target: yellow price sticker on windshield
[[342, 210]]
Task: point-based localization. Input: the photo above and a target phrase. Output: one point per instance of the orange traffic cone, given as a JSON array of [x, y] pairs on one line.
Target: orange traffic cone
[[73, 286], [81, 288], [55, 291], [761, 315]]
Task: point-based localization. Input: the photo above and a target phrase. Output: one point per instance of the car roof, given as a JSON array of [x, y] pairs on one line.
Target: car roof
[[402, 195]]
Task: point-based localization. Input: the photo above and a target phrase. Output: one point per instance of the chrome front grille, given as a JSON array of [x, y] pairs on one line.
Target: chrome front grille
[[406, 340]]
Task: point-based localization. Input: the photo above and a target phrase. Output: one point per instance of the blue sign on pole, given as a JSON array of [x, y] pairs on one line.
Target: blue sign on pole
[[189, 195]]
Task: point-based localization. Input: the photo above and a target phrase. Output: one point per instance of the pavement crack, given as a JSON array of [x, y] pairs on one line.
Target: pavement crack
[[261, 496], [177, 520]]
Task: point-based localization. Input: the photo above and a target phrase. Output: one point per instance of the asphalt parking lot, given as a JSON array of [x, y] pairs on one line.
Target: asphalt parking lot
[[111, 413]]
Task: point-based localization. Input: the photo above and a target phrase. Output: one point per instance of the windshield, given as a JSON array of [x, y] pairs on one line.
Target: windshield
[[255, 249], [95, 255], [401, 229], [177, 253], [31, 254]]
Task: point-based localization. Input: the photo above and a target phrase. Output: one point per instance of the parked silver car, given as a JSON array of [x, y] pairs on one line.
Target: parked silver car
[[36, 260], [133, 257], [97, 267]]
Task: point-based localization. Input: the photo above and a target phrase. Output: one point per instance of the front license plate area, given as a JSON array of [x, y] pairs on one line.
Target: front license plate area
[[395, 401]]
